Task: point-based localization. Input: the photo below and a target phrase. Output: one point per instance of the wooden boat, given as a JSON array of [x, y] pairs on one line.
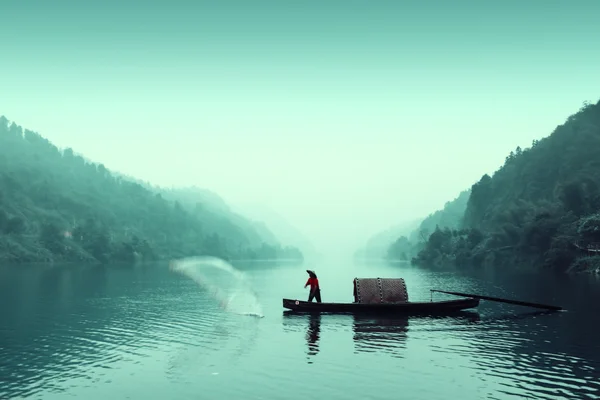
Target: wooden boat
[[383, 295], [407, 308]]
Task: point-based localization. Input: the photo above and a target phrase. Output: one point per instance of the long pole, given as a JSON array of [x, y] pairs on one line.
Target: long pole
[[519, 303]]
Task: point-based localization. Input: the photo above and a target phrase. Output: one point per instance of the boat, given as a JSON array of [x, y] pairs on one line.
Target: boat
[[407, 308], [383, 295]]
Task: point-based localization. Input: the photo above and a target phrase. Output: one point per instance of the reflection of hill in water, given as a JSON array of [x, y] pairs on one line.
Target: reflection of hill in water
[[53, 314], [74, 323]]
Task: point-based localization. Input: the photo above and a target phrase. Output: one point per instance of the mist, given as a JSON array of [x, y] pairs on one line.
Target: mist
[[377, 114]]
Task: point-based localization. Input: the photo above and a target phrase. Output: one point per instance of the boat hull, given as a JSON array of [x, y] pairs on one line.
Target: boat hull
[[408, 308]]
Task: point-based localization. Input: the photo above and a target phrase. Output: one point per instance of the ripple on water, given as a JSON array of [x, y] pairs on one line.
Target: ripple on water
[[177, 339], [83, 347], [499, 350], [508, 355]]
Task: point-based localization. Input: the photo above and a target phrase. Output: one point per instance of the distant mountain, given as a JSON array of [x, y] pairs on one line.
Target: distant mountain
[[217, 215], [55, 205], [403, 241], [279, 226], [451, 216], [541, 208], [378, 245]]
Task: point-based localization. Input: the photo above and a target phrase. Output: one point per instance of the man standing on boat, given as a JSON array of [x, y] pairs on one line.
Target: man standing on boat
[[315, 291]]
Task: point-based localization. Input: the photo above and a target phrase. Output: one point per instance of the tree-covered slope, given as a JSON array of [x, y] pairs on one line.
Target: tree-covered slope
[[57, 206], [403, 242], [450, 216], [542, 207], [217, 216]]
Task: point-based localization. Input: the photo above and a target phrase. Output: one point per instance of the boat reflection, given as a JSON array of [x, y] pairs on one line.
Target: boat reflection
[[371, 334], [388, 334], [380, 334]]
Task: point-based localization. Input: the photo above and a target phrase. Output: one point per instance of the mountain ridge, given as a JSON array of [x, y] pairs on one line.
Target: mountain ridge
[[541, 208], [56, 205]]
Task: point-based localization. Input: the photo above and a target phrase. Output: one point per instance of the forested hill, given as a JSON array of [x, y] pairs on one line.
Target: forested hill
[[451, 216], [57, 206], [217, 216], [541, 208], [404, 241]]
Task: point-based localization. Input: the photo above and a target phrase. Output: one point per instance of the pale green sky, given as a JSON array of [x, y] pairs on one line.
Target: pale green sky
[[345, 117]]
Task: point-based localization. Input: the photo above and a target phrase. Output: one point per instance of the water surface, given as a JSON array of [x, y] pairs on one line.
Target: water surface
[[144, 332]]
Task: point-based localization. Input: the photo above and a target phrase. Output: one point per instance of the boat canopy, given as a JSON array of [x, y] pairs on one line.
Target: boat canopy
[[380, 290]]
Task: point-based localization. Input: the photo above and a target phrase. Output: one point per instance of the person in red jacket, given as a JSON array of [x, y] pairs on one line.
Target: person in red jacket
[[315, 290]]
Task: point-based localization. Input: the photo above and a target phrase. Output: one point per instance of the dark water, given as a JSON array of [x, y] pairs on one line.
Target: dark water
[[148, 333]]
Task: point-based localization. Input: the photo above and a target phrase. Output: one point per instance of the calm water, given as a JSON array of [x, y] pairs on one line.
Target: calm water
[[148, 333]]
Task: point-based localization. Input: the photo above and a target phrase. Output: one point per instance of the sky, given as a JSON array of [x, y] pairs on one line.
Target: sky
[[345, 117]]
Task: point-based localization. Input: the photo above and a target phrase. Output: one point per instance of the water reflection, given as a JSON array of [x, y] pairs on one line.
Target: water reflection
[[42, 308], [308, 322], [64, 323], [523, 352], [312, 334], [374, 334], [515, 316], [125, 332], [387, 335]]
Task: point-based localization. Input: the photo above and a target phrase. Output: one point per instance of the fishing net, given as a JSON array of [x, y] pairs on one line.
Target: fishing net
[[381, 290]]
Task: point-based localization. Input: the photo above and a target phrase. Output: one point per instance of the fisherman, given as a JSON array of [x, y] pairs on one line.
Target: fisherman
[[355, 293], [315, 290]]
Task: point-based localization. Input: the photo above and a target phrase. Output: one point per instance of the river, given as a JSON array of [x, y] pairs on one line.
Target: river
[[146, 332]]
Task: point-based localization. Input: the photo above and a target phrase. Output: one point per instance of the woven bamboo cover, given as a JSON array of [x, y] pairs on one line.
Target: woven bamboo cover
[[381, 290]]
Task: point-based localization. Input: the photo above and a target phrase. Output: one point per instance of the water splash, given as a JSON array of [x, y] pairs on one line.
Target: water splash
[[227, 285]]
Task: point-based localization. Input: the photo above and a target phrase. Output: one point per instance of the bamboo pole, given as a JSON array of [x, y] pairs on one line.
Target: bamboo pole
[[500, 300]]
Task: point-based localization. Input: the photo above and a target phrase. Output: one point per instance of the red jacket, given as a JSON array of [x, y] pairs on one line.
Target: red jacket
[[313, 282]]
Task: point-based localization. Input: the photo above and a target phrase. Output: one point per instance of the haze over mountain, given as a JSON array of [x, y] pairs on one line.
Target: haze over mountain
[[281, 227], [343, 117], [378, 245]]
